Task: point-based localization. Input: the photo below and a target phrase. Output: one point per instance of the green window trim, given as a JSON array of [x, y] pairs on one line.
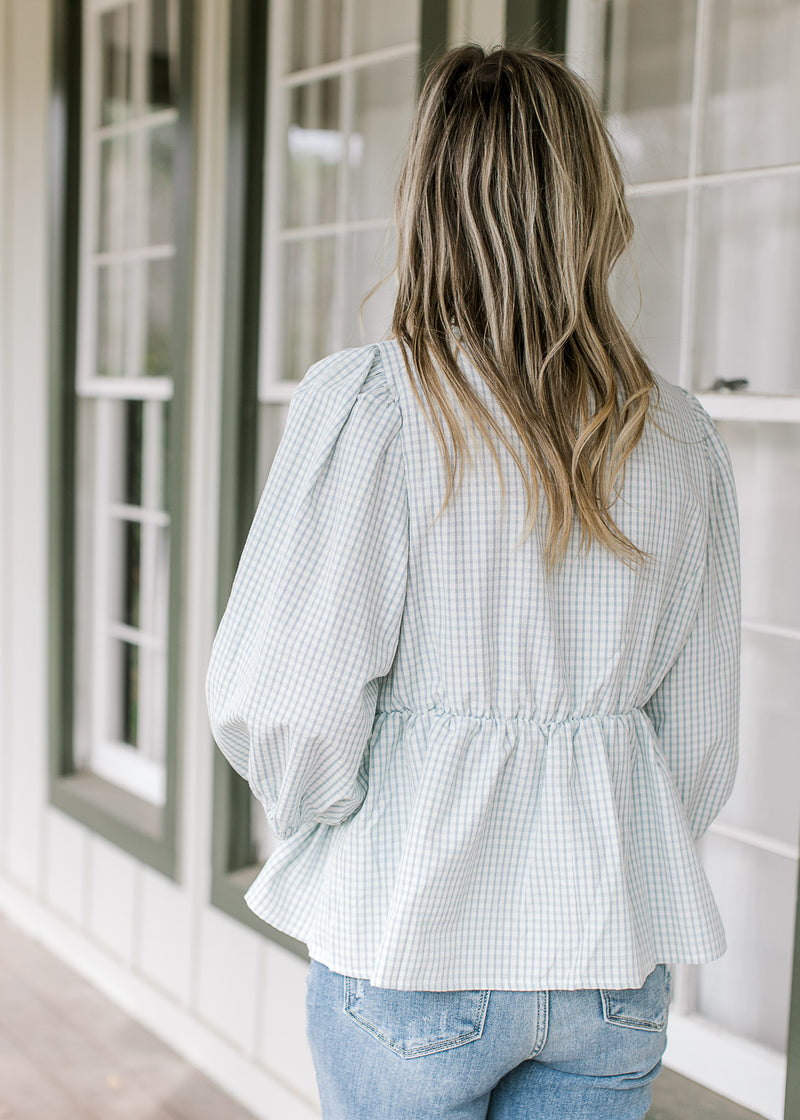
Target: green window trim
[[537, 23], [233, 858], [149, 833]]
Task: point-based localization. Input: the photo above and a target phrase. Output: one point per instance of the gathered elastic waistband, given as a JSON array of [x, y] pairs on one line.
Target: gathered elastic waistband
[[536, 721]]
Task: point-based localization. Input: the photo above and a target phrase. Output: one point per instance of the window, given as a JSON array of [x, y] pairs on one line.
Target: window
[[116, 763], [700, 97], [342, 79], [342, 92]]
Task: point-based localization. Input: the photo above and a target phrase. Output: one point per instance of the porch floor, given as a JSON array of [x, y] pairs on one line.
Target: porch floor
[[69, 1053]]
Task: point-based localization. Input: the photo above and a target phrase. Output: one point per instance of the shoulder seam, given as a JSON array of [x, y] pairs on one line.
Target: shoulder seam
[[377, 386], [699, 414]]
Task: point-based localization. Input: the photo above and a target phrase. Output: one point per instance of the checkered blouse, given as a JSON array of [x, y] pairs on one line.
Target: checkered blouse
[[479, 778]]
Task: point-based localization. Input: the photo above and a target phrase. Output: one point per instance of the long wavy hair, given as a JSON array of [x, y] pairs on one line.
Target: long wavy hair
[[510, 216]]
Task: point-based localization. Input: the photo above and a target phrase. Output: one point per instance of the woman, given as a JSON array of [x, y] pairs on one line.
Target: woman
[[480, 659]]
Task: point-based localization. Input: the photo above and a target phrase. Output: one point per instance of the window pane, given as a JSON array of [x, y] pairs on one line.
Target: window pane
[[123, 693], [152, 737], [158, 327], [748, 288], [751, 109], [765, 796], [159, 607], [316, 32], [383, 25], [132, 452], [765, 459], [125, 558], [315, 153], [160, 186], [647, 285], [756, 894], [309, 294], [115, 64], [111, 321], [115, 218], [384, 104], [161, 421], [137, 438], [649, 85], [370, 256], [162, 78]]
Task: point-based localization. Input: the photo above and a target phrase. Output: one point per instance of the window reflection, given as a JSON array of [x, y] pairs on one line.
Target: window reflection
[[162, 76], [383, 25], [748, 285], [130, 490], [647, 283], [316, 34], [111, 333], [158, 329], [115, 210], [316, 148], [115, 64], [369, 257], [649, 85], [309, 292], [747, 885], [751, 113], [160, 193], [383, 106], [765, 458]]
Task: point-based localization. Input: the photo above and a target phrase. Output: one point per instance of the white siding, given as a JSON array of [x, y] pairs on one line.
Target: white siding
[[25, 76], [209, 986], [112, 898]]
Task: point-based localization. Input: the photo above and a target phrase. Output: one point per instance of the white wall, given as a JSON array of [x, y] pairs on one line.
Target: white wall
[[217, 991]]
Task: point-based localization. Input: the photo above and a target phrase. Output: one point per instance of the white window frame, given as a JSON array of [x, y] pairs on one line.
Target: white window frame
[[141, 769], [272, 387], [751, 1074]]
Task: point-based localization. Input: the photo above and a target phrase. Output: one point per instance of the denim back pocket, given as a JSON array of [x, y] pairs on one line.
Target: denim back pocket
[[643, 1009], [413, 1024]]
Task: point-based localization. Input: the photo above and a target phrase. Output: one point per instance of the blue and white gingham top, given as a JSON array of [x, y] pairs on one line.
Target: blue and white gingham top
[[478, 778]]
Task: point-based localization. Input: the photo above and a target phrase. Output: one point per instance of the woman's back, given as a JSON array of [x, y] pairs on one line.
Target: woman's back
[[482, 776]]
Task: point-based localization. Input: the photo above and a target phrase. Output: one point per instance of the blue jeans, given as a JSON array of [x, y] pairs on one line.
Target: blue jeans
[[382, 1054]]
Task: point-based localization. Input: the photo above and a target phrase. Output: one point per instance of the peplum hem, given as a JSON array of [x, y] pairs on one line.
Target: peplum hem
[[500, 853]]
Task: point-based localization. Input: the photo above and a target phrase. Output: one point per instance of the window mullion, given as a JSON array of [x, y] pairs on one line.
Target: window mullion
[[688, 302], [104, 682], [346, 110]]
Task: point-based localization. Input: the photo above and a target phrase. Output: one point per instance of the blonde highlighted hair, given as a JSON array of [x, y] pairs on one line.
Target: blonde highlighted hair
[[510, 217]]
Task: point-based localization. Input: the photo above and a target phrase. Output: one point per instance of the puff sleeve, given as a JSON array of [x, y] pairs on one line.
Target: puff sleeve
[[695, 709], [314, 613]]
